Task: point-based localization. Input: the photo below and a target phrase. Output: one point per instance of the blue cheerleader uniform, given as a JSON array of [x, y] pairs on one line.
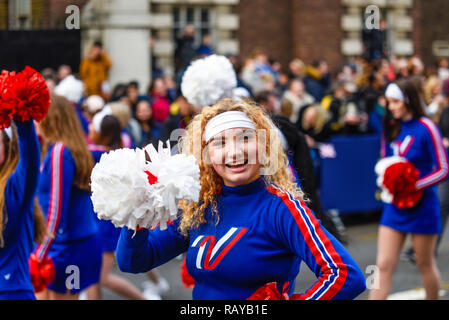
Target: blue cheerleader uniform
[[420, 142], [20, 190], [75, 248], [107, 232], [262, 235]]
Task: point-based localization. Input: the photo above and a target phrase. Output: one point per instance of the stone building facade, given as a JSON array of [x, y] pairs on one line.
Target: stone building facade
[[308, 29]]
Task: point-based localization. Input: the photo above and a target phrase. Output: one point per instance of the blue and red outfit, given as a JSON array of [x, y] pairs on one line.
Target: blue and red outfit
[[107, 232], [71, 219], [420, 142], [20, 190], [262, 236]]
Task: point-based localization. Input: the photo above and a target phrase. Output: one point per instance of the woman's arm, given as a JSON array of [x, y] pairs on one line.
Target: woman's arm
[[439, 156], [148, 249], [22, 184], [338, 275], [62, 172]]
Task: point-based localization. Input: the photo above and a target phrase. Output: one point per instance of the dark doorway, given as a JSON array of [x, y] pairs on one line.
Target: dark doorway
[[40, 49]]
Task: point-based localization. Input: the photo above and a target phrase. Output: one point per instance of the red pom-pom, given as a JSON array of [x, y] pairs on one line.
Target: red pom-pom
[[23, 96], [400, 180], [187, 279], [42, 272], [6, 109]]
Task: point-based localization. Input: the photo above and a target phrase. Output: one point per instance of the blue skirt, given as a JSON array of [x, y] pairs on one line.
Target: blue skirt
[[424, 218], [77, 264]]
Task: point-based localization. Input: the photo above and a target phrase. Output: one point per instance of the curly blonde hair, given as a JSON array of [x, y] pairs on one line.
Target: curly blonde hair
[[193, 214]]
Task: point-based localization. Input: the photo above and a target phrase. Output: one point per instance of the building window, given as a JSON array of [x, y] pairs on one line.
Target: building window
[[200, 17]]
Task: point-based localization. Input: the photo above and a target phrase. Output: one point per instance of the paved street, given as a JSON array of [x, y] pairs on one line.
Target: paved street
[[362, 244]]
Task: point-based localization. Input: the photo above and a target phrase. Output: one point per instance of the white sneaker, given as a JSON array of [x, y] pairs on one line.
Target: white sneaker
[[160, 288], [82, 295], [150, 291], [163, 286], [150, 295]]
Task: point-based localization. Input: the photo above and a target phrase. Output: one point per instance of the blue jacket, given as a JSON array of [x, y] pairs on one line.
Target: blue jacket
[[18, 235], [262, 236], [68, 208]]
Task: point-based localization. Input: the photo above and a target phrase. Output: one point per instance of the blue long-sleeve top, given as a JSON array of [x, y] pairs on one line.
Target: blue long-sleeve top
[[20, 191], [68, 208], [262, 235], [420, 142]]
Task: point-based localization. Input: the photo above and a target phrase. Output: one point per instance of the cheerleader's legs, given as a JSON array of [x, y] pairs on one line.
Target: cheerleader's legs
[[424, 247], [53, 295], [389, 245]]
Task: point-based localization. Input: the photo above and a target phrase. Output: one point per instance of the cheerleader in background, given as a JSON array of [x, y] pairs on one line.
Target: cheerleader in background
[[20, 217], [249, 230], [123, 115], [64, 195], [408, 134], [104, 131]]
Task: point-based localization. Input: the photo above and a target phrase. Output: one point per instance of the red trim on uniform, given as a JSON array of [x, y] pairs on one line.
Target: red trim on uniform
[[327, 271]]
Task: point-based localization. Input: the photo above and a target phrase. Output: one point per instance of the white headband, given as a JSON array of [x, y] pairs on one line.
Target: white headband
[[227, 120], [98, 118], [8, 132], [393, 91]]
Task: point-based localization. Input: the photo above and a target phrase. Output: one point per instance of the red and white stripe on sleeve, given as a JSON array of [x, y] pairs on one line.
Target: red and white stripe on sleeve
[[333, 270], [441, 156], [54, 209]]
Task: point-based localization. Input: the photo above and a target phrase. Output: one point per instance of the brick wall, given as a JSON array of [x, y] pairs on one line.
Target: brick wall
[[285, 29], [317, 31], [431, 23], [266, 24]]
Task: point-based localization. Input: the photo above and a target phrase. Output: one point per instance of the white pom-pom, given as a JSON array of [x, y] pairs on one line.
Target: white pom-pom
[[122, 193], [208, 80], [380, 168]]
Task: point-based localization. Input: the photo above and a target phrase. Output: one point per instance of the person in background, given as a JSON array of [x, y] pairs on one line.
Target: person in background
[[105, 132], [443, 69], [64, 195], [149, 130], [133, 95], [51, 78], [434, 98], [408, 134], [296, 69], [172, 88], [317, 79], [94, 69], [205, 48], [299, 98], [185, 51], [181, 113], [443, 188], [91, 106], [159, 100], [122, 113]]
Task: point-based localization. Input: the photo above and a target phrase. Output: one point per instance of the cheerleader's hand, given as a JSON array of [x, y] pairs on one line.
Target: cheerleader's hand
[[270, 292], [42, 272], [130, 191], [398, 177]]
